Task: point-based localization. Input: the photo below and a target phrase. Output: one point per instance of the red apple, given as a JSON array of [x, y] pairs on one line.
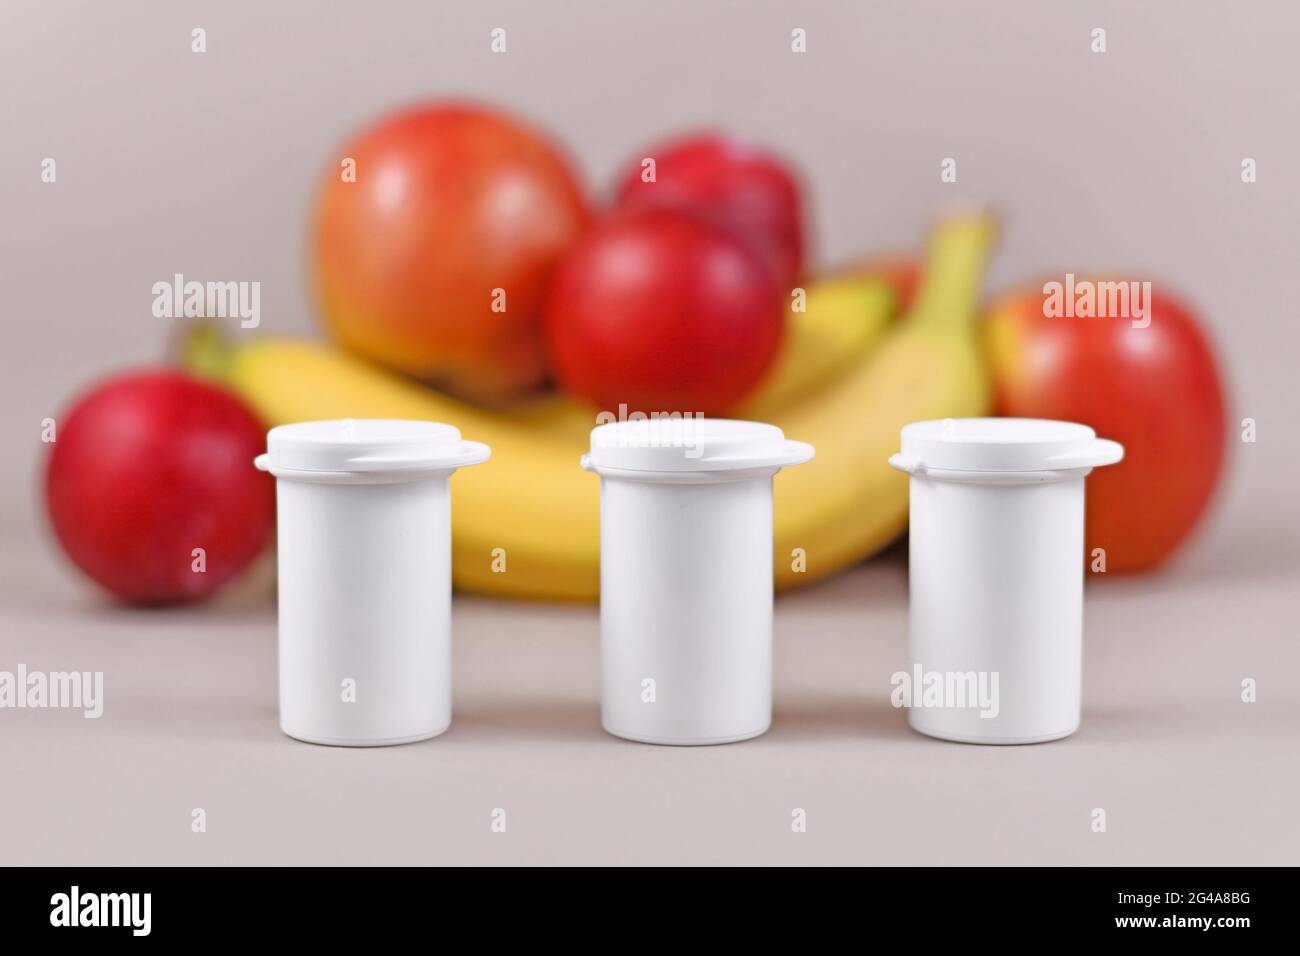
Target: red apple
[[662, 311], [746, 188], [145, 469], [450, 204], [1155, 389]]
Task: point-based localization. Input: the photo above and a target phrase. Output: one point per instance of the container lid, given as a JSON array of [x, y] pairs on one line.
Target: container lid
[[368, 445], [1002, 445], [691, 445]]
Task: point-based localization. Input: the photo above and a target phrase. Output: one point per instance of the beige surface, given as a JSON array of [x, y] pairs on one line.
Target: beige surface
[[1185, 771], [174, 162]]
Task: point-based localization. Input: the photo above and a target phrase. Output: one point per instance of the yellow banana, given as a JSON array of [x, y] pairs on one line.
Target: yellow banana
[[847, 502], [534, 502], [841, 320], [531, 499]]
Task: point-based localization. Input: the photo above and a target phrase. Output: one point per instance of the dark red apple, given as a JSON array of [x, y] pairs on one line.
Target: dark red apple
[[146, 469], [737, 185], [664, 312]]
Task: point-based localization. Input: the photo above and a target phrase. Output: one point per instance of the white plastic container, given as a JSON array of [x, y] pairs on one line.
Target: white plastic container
[[365, 577], [686, 576], [996, 554]]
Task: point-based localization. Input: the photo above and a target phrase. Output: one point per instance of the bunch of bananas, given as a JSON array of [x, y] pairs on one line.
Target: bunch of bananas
[[526, 524]]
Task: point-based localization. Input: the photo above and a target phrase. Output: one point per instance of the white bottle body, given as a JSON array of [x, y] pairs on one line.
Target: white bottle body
[[365, 609], [686, 607], [996, 588]]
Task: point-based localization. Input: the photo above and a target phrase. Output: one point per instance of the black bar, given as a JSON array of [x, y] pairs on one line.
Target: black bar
[[1174, 905]]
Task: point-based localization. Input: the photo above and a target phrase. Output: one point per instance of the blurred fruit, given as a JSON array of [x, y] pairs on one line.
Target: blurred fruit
[[534, 501], [146, 468], [841, 321], [903, 273], [1155, 390], [450, 203], [748, 189], [531, 498], [848, 502], [662, 311]]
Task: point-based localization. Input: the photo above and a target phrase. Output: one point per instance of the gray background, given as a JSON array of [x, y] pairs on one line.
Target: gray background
[[170, 161]]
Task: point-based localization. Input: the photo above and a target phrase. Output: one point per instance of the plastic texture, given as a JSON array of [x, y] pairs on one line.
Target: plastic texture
[[996, 566], [364, 543], [353, 446], [686, 578]]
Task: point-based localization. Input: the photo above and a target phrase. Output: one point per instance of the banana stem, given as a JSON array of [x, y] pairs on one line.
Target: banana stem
[[205, 352], [950, 290]]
